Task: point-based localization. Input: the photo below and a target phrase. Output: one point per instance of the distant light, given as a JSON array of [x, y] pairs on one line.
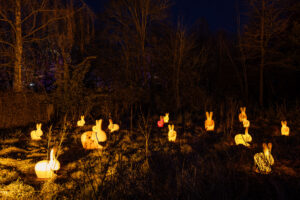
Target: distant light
[[31, 84]]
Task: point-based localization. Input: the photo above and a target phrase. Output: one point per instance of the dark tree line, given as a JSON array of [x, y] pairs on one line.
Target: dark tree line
[[144, 58]]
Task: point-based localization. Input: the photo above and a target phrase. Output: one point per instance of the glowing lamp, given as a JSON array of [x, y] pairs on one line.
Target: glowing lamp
[[172, 134], [36, 134], [285, 130], [209, 123], [166, 118], [113, 127], [264, 160], [242, 115], [160, 123], [81, 122], [243, 139], [45, 168]]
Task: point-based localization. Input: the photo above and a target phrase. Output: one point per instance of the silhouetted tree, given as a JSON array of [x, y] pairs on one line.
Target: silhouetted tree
[[265, 24]]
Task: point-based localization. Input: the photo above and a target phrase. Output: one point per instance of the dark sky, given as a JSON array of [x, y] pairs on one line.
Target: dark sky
[[220, 14]]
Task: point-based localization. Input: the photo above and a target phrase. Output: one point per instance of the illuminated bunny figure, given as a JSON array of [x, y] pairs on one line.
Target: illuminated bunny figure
[[46, 168], [172, 134], [81, 122], [36, 134], [160, 123], [243, 139], [166, 118], [113, 127], [264, 160], [209, 123], [91, 139], [285, 130], [242, 115], [246, 123]]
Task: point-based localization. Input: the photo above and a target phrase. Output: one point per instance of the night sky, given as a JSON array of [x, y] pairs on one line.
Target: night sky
[[220, 14]]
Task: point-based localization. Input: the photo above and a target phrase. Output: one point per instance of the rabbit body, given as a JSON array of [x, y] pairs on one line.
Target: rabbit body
[[91, 139], [46, 168], [285, 130], [246, 123], [36, 134], [166, 118], [81, 122], [264, 160], [172, 134], [209, 123], [113, 127], [160, 123], [243, 139], [242, 115]]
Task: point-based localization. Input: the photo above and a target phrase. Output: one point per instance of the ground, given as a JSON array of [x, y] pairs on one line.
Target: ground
[[199, 165]]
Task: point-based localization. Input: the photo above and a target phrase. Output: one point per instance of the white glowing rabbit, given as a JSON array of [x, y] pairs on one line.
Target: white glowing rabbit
[[243, 139], [166, 118], [264, 160], [91, 139], [172, 134], [81, 122], [113, 127], [46, 168], [209, 122], [36, 134], [285, 130]]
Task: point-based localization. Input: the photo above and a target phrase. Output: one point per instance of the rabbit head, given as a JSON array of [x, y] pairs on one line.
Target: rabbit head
[[97, 127], [38, 126], [283, 123], [267, 149]]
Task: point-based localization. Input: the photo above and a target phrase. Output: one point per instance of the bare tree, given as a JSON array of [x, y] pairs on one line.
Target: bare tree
[[27, 22], [266, 22]]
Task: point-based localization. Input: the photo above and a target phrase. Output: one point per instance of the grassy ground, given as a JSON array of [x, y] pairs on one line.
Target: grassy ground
[[199, 165]]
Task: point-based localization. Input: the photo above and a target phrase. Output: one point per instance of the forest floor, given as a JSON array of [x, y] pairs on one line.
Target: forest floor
[[199, 165]]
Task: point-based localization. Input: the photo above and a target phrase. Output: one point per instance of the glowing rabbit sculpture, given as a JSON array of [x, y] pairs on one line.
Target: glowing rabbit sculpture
[[242, 115], [285, 130], [113, 127], [160, 123], [209, 122], [81, 122], [264, 160], [246, 123], [45, 168], [172, 134], [36, 134], [166, 118], [91, 139], [243, 139]]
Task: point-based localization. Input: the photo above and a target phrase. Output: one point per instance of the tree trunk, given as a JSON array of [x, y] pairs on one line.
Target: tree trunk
[[262, 59], [17, 83]]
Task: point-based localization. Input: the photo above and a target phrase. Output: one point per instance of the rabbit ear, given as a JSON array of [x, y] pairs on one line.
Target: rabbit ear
[[169, 126], [110, 121], [270, 146], [264, 146], [172, 127], [244, 109], [211, 114], [241, 108], [207, 115], [82, 116]]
